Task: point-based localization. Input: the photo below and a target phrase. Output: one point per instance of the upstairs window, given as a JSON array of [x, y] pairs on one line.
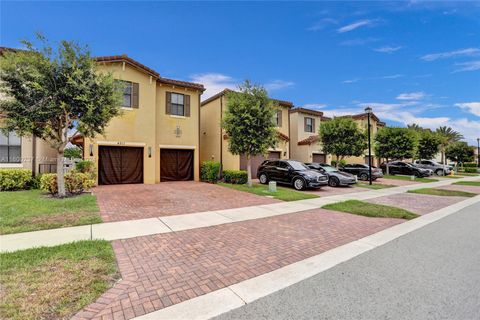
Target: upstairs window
[[178, 104], [309, 124], [278, 118], [10, 148], [130, 94]]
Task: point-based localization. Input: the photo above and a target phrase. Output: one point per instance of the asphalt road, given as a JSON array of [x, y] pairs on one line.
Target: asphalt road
[[431, 273]]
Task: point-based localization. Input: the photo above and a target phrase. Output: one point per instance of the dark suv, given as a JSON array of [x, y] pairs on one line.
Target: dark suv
[[361, 171], [400, 167], [290, 172]]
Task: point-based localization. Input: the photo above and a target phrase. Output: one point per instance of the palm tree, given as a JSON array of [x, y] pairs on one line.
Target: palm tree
[[447, 135], [414, 127]]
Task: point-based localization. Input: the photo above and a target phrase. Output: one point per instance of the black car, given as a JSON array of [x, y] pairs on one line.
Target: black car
[[290, 172], [336, 178], [361, 171], [400, 167]]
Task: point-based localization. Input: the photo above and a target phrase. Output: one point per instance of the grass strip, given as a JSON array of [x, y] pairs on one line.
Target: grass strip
[[468, 183], [284, 194], [367, 209], [55, 282], [443, 192], [31, 210], [374, 186], [408, 178]]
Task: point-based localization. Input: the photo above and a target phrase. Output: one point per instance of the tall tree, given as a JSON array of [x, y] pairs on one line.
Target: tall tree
[[395, 143], [447, 136], [414, 127], [343, 138], [248, 123], [459, 152], [50, 94], [428, 144]]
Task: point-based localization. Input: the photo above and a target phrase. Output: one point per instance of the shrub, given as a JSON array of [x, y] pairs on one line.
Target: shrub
[[35, 182], [235, 176], [210, 171], [341, 163], [14, 179], [470, 165], [470, 170], [86, 166], [333, 163], [75, 182]]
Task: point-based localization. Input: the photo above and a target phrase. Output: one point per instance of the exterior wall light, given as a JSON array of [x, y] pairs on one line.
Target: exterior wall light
[[91, 150], [149, 152]]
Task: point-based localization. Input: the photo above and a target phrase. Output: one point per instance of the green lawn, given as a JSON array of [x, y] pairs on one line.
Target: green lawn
[[396, 177], [55, 282], [284, 194], [374, 186], [370, 210], [31, 210], [468, 183], [443, 193], [467, 174], [452, 177]]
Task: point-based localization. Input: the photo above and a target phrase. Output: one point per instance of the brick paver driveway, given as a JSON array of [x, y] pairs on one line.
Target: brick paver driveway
[[139, 201], [416, 203], [161, 270]]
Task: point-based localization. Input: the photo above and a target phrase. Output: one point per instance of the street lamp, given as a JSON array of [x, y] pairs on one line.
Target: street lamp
[[478, 152], [368, 111]]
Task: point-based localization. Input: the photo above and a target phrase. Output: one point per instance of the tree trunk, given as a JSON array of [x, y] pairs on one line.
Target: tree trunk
[[388, 171], [60, 176], [249, 171]]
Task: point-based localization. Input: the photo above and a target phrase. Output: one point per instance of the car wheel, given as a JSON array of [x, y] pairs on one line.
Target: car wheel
[[363, 176], [299, 184], [417, 174], [263, 178], [440, 172], [333, 182]]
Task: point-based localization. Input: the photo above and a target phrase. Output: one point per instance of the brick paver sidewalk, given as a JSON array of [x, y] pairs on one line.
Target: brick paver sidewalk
[[140, 201], [161, 270]]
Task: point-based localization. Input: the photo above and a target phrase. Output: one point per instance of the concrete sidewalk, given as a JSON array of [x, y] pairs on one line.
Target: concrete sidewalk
[[143, 227]]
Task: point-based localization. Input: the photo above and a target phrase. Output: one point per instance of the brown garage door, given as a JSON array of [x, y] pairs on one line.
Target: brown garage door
[[176, 165], [319, 158], [120, 165], [257, 161]]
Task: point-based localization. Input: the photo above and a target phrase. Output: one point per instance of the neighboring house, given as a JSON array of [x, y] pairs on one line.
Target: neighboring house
[[156, 138], [214, 141], [305, 144], [375, 125]]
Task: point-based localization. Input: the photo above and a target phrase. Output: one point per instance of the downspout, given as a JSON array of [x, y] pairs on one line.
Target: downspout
[[221, 136], [34, 155], [289, 137], [199, 131]]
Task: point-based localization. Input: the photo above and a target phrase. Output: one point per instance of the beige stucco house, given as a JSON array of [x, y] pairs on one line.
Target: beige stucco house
[[214, 141], [305, 146], [155, 139]]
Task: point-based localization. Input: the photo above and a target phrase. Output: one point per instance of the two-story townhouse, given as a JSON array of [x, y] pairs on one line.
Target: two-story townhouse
[[156, 138], [214, 141], [305, 144], [375, 125]]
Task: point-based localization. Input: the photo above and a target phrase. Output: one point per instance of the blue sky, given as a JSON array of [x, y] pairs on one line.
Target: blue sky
[[411, 61]]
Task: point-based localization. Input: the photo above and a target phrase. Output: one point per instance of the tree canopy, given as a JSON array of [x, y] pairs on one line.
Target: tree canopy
[[50, 94], [343, 138], [395, 143], [248, 122], [459, 152], [428, 144], [447, 136]]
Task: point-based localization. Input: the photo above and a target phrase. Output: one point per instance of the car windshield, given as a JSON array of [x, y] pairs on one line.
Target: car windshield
[[329, 169], [296, 165]]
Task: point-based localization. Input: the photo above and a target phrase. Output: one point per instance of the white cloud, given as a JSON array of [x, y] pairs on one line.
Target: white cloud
[[472, 107], [392, 76], [451, 54], [468, 66], [351, 80], [278, 84], [214, 83], [322, 24], [314, 106], [411, 96], [387, 49], [355, 25]]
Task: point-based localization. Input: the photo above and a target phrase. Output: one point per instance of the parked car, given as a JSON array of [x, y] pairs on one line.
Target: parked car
[[400, 167], [438, 168], [290, 172], [361, 171], [335, 177]]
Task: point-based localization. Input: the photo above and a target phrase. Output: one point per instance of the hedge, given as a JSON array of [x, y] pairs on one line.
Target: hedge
[[210, 171], [470, 165], [15, 179], [470, 170], [75, 182], [235, 176]]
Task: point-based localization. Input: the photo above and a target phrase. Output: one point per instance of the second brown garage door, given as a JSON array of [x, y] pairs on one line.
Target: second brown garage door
[[176, 165], [120, 165], [257, 161], [319, 158]]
